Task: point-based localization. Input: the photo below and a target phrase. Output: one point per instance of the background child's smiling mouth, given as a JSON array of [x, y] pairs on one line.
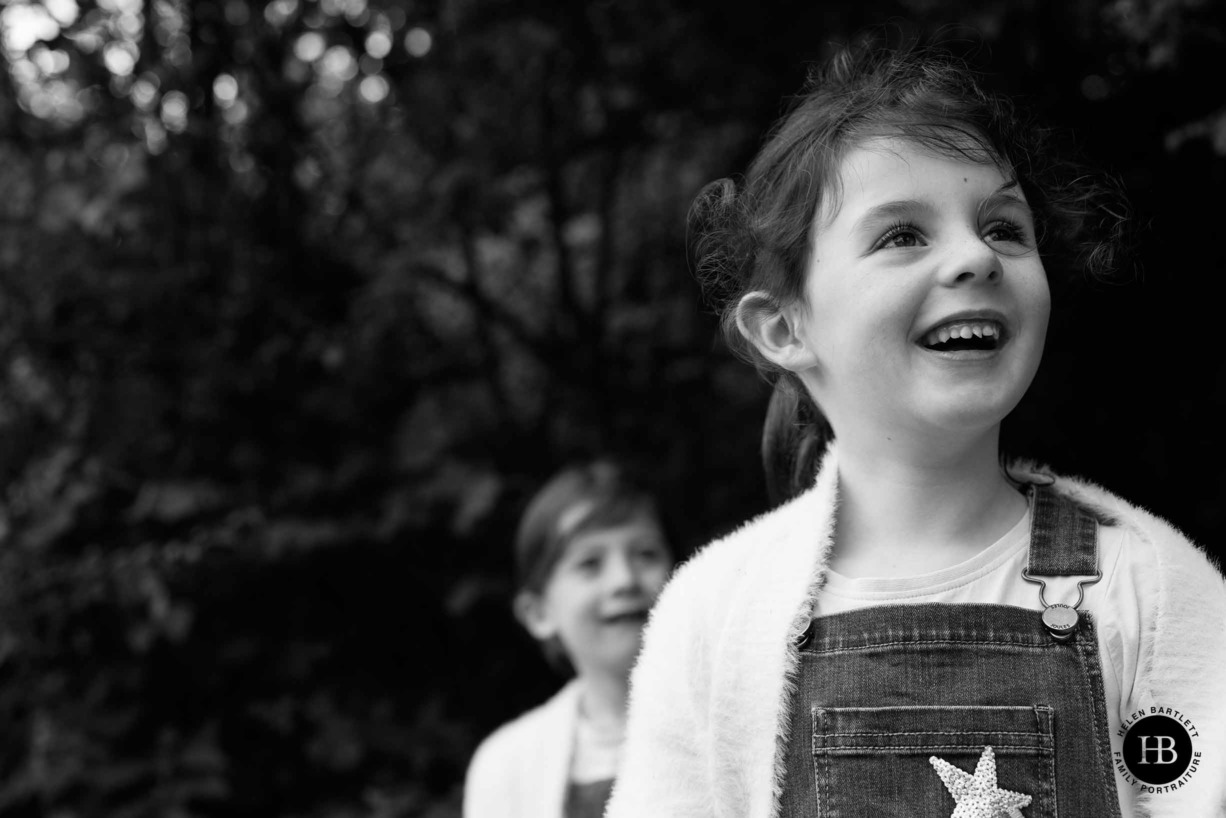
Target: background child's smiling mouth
[[626, 618]]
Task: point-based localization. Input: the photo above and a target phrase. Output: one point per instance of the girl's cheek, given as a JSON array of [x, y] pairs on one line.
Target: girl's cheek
[[659, 579]]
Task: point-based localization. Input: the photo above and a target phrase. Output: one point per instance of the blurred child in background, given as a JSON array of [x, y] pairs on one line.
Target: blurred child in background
[[591, 557]]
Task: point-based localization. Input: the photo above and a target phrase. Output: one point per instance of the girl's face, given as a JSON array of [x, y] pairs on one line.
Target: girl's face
[[597, 598], [926, 301]]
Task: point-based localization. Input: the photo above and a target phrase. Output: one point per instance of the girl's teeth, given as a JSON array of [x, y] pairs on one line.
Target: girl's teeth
[[966, 331]]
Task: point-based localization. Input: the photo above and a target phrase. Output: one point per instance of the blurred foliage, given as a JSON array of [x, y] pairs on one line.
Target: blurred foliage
[[299, 301]]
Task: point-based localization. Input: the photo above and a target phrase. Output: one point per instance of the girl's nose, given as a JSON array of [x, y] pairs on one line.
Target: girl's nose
[[971, 261], [623, 573]]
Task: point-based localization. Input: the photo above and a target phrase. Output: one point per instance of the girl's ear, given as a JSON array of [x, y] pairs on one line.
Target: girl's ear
[[532, 612], [774, 331]]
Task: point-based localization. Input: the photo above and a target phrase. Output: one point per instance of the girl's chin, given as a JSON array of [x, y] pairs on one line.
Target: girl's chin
[[617, 656], [971, 410]]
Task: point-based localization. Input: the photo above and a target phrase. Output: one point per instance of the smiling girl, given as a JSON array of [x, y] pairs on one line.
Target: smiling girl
[[920, 631], [591, 557]]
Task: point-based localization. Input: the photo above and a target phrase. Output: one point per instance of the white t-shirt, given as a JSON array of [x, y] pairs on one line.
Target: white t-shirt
[[994, 575], [596, 752]]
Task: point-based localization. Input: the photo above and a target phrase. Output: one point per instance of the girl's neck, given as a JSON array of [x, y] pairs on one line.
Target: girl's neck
[[904, 512], [604, 698]]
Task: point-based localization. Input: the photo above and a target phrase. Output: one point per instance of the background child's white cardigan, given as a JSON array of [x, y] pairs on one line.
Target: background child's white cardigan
[[521, 769], [708, 711]]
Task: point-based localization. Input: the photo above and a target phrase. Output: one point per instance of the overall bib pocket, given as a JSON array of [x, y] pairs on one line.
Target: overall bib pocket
[[875, 761]]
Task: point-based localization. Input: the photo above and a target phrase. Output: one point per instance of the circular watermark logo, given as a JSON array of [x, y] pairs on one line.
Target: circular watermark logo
[[1157, 751]]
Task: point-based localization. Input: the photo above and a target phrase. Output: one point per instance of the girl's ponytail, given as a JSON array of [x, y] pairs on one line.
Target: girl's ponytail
[[730, 257], [794, 439]]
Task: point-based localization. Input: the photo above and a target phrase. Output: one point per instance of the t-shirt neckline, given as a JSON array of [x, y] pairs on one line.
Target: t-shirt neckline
[[880, 588]]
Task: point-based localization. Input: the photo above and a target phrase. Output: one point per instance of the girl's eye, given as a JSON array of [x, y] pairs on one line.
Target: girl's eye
[[588, 565], [1007, 231], [899, 236], [651, 552]]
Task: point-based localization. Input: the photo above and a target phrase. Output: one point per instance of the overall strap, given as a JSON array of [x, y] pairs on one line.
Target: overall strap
[[1063, 537]]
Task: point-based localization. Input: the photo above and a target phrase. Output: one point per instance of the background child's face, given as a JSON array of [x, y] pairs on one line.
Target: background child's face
[[922, 249], [597, 598]]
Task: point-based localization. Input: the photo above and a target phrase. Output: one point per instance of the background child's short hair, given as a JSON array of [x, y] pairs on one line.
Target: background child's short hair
[[581, 498]]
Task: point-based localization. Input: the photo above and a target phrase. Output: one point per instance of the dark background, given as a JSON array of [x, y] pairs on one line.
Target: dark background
[[299, 302]]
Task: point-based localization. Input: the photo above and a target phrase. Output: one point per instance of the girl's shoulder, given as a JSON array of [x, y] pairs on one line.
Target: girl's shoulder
[[1147, 537], [1145, 532], [1148, 564]]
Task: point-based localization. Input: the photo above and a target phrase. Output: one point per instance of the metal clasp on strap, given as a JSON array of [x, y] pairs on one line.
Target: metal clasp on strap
[[1061, 620]]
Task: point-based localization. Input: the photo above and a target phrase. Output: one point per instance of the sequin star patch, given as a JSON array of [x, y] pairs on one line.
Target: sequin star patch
[[977, 796]]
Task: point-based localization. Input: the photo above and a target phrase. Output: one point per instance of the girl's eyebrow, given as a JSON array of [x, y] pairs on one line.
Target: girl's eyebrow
[[580, 554], [1008, 193], [892, 211]]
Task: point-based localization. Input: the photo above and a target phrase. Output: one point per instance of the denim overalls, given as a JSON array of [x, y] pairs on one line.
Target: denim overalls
[[890, 701]]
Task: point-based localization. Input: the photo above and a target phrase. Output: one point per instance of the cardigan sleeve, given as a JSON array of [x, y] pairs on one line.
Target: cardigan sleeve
[[1183, 668], [665, 766]]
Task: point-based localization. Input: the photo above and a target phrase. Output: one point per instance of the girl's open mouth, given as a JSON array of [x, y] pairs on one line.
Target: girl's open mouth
[[628, 618], [979, 335]]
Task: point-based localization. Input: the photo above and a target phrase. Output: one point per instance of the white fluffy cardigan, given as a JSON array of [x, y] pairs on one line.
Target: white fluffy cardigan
[[711, 692], [521, 769]]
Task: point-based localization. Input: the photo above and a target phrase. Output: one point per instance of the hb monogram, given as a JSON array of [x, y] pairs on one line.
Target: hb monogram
[[1165, 745]]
